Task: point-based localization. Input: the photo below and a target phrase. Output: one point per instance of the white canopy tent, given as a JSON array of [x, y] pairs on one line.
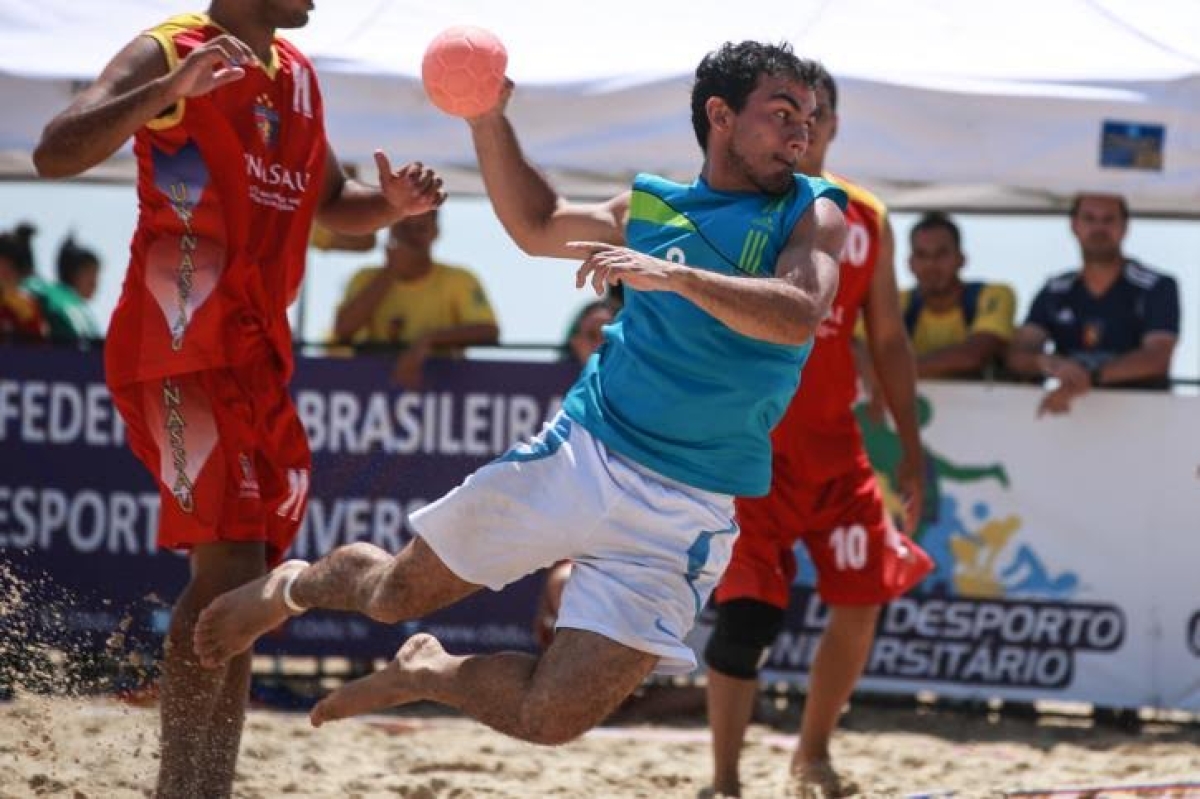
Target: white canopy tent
[[959, 104]]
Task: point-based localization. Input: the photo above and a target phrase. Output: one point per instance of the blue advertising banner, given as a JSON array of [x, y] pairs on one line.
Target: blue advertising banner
[[78, 513], [1050, 581]]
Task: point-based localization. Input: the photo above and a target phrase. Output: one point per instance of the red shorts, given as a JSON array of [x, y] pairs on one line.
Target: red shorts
[[860, 556], [228, 451]]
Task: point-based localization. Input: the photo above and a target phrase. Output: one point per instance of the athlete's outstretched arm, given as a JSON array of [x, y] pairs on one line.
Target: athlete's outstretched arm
[[134, 88], [896, 372], [535, 216], [350, 206], [785, 309]]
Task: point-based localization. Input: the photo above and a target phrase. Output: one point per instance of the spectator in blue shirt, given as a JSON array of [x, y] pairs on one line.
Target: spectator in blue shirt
[[1112, 323]]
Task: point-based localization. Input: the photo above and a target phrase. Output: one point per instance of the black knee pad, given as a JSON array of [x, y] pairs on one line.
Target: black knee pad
[[739, 643]]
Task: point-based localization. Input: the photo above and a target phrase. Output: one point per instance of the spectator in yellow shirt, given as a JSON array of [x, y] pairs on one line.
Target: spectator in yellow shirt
[[427, 307], [958, 329]]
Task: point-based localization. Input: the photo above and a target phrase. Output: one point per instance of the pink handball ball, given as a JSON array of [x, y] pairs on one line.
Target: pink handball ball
[[463, 70]]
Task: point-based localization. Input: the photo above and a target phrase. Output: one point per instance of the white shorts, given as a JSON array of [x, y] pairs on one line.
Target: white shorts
[[647, 550]]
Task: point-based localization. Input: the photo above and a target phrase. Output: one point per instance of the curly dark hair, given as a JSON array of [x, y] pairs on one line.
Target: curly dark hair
[[73, 259], [12, 250], [825, 81], [23, 235], [732, 71]]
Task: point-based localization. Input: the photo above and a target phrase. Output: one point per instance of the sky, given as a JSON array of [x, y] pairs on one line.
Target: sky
[[534, 298]]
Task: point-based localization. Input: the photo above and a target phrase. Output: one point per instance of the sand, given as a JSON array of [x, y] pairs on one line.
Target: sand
[[63, 735], [96, 747]]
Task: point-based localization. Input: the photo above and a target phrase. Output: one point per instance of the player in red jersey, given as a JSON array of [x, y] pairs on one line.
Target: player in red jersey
[[233, 165], [824, 493]]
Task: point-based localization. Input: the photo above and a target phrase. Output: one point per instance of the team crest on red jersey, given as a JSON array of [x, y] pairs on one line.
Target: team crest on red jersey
[[266, 120]]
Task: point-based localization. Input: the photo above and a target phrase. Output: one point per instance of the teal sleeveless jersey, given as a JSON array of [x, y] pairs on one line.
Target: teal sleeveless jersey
[[674, 389]]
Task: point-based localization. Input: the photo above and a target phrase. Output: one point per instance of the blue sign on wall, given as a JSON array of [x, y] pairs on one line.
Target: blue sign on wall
[[1132, 145]]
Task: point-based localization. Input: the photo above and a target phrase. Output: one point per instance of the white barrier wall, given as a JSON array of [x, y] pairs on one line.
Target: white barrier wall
[[1068, 553]]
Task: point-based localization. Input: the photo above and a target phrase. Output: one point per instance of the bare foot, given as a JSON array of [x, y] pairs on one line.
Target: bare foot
[[819, 780], [400, 681], [233, 621]]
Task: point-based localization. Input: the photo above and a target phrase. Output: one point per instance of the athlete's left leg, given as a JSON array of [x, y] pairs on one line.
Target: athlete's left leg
[[202, 710], [580, 679], [839, 661], [862, 562]]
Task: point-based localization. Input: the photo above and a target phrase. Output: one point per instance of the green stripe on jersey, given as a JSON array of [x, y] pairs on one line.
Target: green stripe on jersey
[[645, 207]]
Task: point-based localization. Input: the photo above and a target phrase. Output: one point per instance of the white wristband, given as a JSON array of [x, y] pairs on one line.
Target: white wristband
[[293, 607]]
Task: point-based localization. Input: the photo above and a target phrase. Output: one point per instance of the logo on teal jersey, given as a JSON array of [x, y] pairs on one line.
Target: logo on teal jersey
[[750, 260]]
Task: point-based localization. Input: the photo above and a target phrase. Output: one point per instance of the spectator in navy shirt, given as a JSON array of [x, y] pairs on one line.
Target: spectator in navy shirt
[[1114, 322]]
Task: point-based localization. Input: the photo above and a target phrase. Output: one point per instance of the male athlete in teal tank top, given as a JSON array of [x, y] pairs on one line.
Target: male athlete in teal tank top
[[674, 388], [726, 281]]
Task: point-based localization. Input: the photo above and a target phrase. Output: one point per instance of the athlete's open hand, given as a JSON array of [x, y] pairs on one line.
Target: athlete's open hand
[[607, 265], [910, 480], [497, 110], [1057, 402], [412, 189], [212, 65]]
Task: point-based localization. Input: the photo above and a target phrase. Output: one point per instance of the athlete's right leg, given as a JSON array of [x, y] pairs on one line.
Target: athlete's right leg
[[743, 635], [862, 562], [511, 517], [751, 598], [201, 709], [357, 577], [840, 659]]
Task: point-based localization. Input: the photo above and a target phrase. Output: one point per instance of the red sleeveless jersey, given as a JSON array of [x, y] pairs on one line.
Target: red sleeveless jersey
[[227, 186], [818, 435]]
